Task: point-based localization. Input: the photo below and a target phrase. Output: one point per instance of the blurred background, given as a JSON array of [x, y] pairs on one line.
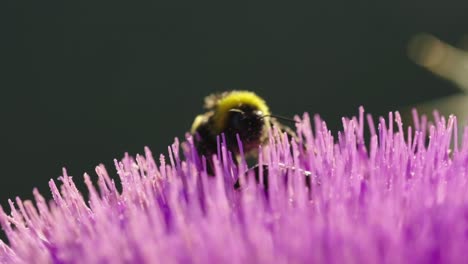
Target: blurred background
[[83, 82]]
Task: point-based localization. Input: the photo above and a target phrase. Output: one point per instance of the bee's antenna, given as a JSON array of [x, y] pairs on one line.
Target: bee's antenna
[[281, 117]]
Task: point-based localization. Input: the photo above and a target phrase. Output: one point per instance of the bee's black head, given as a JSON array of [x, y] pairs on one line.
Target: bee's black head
[[249, 123]]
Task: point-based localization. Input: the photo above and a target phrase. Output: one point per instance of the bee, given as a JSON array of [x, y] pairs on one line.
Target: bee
[[235, 113]]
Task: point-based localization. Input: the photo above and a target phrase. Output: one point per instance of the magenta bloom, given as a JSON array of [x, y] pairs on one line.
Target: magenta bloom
[[402, 199]]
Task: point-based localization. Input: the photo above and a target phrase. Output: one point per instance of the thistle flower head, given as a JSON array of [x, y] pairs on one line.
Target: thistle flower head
[[395, 199]]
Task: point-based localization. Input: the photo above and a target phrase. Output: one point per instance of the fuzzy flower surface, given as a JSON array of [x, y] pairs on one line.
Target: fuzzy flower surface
[[399, 197]]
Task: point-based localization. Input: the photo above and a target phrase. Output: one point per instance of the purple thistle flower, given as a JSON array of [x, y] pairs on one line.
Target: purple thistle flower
[[399, 200]]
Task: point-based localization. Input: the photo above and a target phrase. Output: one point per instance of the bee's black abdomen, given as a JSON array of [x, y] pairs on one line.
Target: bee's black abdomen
[[206, 145]]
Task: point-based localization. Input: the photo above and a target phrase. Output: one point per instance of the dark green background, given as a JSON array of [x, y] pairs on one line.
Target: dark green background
[[84, 81]]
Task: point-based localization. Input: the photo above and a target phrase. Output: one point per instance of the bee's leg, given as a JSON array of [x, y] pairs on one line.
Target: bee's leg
[[237, 185], [210, 168], [308, 179], [256, 170]]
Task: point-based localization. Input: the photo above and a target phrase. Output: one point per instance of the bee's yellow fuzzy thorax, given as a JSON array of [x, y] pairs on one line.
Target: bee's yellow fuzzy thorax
[[236, 99]]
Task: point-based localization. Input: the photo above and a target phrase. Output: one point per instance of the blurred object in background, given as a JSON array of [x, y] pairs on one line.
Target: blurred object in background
[[441, 58], [464, 42], [448, 62]]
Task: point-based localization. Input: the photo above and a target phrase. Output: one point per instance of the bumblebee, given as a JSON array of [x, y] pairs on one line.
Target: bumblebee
[[235, 113]]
